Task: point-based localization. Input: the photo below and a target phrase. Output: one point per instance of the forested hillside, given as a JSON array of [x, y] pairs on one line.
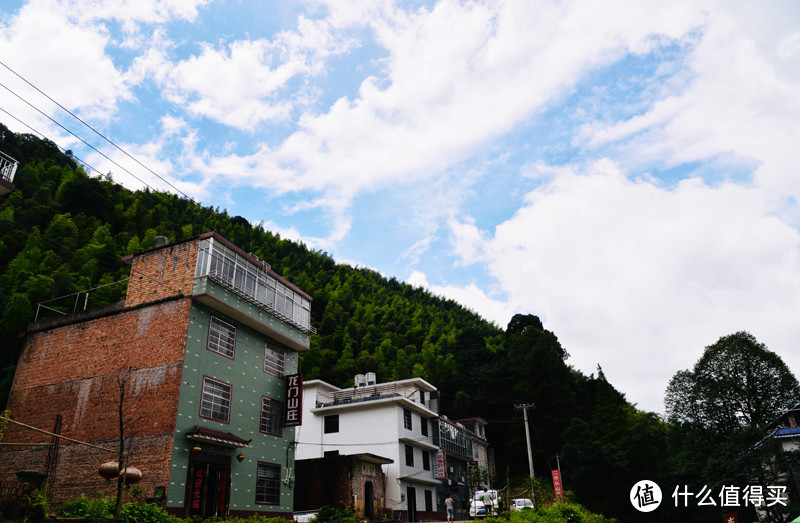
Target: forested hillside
[[63, 232]]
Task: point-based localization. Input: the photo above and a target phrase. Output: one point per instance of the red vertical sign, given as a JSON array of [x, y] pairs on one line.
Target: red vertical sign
[[557, 486], [196, 503], [441, 465], [293, 414]]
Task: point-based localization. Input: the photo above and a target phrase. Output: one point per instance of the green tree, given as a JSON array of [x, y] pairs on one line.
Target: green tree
[[737, 383], [719, 411]]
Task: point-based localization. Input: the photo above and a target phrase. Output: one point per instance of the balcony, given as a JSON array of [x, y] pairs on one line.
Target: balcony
[[8, 167], [254, 281]]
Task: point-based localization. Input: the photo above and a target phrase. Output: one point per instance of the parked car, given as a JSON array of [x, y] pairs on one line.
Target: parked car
[[521, 504], [483, 503]]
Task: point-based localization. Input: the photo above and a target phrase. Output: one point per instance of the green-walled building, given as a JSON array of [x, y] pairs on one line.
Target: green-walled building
[[206, 347]]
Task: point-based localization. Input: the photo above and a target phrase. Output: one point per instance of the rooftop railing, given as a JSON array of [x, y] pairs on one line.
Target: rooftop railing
[[373, 393]]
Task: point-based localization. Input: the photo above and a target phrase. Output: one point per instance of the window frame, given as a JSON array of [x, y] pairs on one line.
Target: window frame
[[203, 394], [407, 422], [208, 341], [277, 480], [278, 417], [426, 460], [325, 424], [409, 456], [273, 347], [423, 425]]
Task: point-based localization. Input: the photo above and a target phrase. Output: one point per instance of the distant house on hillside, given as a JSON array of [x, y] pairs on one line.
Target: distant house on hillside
[[211, 337]]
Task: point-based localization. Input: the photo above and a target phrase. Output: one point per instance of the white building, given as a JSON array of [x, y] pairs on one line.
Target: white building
[[394, 420]]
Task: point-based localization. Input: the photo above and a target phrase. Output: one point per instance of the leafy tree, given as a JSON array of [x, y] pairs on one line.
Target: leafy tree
[[719, 412], [737, 383]]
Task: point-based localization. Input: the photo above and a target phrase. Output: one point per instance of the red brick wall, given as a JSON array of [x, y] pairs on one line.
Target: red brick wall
[[73, 370], [163, 273]]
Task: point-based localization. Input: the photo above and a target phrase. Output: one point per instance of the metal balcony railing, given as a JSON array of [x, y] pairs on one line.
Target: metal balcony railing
[[240, 290], [8, 167]]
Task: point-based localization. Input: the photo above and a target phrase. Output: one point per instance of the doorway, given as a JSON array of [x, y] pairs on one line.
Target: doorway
[[369, 500], [411, 498], [209, 486]]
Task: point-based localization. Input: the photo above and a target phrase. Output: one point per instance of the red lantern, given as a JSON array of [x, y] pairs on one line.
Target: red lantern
[[132, 475], [109, 470]]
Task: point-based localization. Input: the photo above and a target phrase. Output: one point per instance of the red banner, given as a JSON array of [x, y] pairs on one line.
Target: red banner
[[731, 518], [440, 470], [293, 414], [557, 486]]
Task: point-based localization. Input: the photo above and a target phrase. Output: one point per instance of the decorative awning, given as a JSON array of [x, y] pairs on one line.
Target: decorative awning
[[216, 437]]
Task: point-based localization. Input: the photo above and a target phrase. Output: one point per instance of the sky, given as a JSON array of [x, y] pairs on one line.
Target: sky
[[625, 170]]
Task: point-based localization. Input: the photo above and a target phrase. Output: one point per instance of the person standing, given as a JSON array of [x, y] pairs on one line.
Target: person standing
[[448, 503]]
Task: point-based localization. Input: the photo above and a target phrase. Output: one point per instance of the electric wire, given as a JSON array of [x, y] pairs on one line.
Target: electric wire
[[75, 135], [93, 129], [41, 135]]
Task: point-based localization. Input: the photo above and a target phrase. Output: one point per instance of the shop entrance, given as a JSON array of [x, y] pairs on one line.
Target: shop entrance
[[209, 486]]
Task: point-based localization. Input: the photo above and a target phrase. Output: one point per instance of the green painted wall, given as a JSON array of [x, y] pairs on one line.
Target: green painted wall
[[249, 383]]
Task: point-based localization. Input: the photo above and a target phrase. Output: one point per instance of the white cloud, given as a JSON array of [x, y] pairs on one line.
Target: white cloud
[[457, 76], [232, 86], [69, 64], [742, 102], [640, 278]]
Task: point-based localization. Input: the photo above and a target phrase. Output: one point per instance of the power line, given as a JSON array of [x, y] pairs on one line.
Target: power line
[[95, 131], [73, 134], [63, 149]]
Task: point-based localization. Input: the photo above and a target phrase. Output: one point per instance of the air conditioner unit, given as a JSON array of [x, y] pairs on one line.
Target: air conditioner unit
[[361, 380], [371, 378]]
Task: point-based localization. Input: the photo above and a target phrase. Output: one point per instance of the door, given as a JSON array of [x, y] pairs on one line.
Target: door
[[209, 488], [369, 500], [411, 498]]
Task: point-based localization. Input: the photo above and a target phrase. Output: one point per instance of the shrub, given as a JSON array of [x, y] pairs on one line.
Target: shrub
[[333, 515], [103, 508]]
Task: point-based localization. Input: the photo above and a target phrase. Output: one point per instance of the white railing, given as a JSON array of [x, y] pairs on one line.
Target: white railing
[[8, 167], [368, 393]]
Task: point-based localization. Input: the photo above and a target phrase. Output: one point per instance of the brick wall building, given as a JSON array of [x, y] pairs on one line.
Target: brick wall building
[[205, 343]]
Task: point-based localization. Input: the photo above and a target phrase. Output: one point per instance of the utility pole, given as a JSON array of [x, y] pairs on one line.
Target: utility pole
[[528, 440]]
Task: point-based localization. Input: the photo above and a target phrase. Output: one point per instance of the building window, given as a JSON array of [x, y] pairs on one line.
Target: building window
[[422, 397], [428, 501], [423, 425], [426, 460], [221, 337], [407, 419], [268, 484], [409, 455], [271, 416], [331, 424], [216, 400], [274, 360]]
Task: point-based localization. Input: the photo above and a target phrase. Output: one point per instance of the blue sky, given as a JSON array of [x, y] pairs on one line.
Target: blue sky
[[625, 170]]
